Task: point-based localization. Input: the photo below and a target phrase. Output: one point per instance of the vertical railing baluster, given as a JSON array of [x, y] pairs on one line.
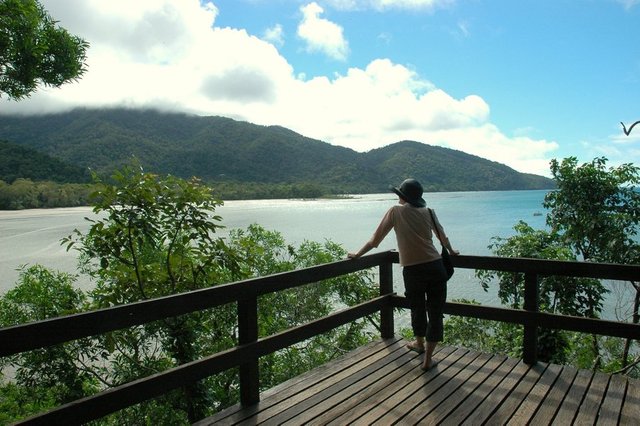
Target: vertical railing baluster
[[386, 313], [248, 333], [531, 304]]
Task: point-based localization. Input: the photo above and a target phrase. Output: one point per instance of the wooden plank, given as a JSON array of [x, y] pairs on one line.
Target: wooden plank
[[426, 390], [290, 387], [569, 407], [385, 385], [387, 320], [511, 403], [534, 399], [389, 398], [470, 404], [363, 403], [414, 374], [248, 333], [432, 407], [630, 412], [344, 361], [549, 267], [299, 397], [542, 319], [531, 304], [359, 395], [612, 404], [498, 395], [464, 394], [339, 394], [552, 402], [590, 406]]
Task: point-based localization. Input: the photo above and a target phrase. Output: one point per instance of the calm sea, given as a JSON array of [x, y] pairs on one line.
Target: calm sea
[[470, 219]]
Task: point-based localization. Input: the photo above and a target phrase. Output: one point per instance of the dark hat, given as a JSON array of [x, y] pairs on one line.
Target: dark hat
[[411, 191]]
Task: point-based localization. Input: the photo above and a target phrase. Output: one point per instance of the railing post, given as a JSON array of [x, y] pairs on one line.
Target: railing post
[[530, 343], [248, 333], [386, 312]]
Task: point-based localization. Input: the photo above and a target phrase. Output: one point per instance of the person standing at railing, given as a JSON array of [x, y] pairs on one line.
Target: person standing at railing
[[423, 271]]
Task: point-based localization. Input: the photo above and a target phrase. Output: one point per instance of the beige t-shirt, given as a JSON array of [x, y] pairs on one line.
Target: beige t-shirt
[[413, 228]]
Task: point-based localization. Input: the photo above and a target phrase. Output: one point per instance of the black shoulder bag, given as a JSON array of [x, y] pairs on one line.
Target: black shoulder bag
[[446, 257]]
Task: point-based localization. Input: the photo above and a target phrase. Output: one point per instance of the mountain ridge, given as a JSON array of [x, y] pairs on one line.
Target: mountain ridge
[[221, 149]]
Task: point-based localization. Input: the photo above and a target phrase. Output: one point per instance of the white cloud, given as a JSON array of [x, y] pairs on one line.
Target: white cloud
[[629, 4], [168, 54], [408, 4], [463, 29], [274, 35], [322, 35], [521, 153], [390, 4], [618, 148]]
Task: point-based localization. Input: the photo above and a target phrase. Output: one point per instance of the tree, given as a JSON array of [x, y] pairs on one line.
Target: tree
[[50, 376], [593, 215], [34, 50], [265, 252], [562, 295], [598, 211], [157, 236]]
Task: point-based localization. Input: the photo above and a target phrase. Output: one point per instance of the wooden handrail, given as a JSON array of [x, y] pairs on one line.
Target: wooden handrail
[[49, 332], [58, 330]]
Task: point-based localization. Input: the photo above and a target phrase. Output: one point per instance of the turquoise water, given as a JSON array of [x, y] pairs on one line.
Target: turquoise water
[[470, 219]]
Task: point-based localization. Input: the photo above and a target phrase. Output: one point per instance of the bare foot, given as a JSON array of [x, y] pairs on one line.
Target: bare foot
[[415, 347], [426, 366]]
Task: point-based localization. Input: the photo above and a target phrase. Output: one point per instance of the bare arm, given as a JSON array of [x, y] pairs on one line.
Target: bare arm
[[365, 248]]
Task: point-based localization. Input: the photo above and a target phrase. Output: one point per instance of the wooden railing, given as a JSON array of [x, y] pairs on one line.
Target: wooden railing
[[31, 336]]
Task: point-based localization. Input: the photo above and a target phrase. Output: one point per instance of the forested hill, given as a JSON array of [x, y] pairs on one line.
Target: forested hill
[[219, 149], [17, 161]]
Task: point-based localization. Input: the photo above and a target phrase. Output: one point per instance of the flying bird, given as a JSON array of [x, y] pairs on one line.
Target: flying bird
[[624, 128]]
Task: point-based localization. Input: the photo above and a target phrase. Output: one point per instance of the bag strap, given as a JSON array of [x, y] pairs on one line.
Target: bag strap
[[435, 227]]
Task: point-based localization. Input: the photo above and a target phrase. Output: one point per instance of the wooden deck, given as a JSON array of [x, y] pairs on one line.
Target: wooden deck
[[382, 383]]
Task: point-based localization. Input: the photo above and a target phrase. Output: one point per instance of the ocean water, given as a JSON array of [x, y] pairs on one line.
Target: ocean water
[[470, 219]]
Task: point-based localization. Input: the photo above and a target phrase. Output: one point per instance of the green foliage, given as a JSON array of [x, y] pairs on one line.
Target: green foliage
[[26, 194], [264, 253], [483, 335], [34, 50], [20, 162], [261, 191], [156, 236], [250, 161], [597, 209], [50, 376], [18, 402], [594, 215], [563, 295], [151, 413]]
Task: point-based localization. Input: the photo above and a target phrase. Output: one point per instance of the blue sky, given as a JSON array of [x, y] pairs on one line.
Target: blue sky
[[519, 82]]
